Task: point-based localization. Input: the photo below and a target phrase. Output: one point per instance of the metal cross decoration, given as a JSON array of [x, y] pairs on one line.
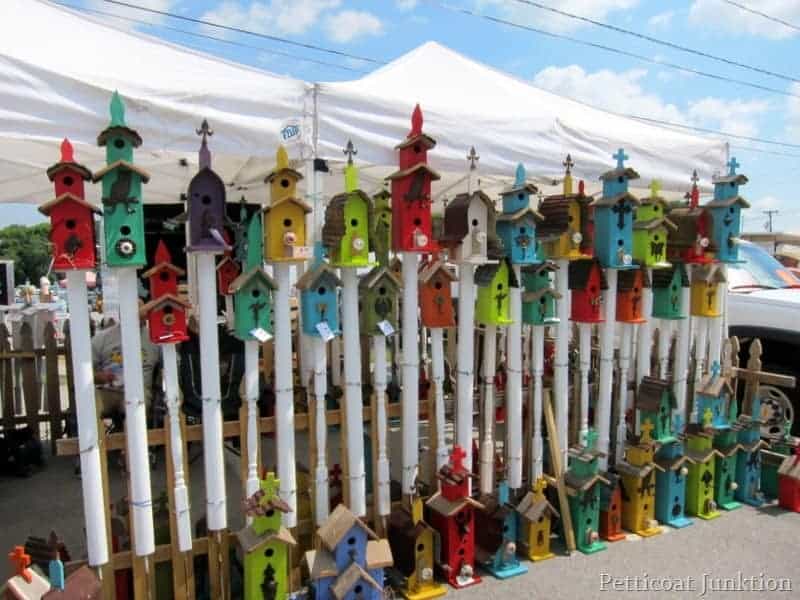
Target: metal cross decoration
[[635, 303], [733, 164], [621, 157], [270, 486], [499, 299], [350, 151], [695, 178], [621, 208], [205, 130], [707, 478], [646, 429], [568, 164], [257, 307], [710, 294], [473, 158], [648, 485], [120, 193]]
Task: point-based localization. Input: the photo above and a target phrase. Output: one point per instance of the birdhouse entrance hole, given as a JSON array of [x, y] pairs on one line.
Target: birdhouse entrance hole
[[125, 230], [256, 293], [358, 589], [70, 224], [438, 285], [417, 221], [118, 143], [68, 181], [351, 541], [382, 291], [163, 276], [321, 291], [167, 310], [269, 552], [420, 547], [206, 199], [354, 222], [284, 183]]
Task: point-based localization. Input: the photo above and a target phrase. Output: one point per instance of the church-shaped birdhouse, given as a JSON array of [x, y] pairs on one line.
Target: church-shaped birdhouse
[[285, 217], [123, 215], [71, 216], [611, 509], [705, 296], [266, 544], [748, 462], [651, 228], [655, 403], [613, 217], [587, 282], [668, 287], [379, 294], [713, 397], [691, 241], [539, 297], [516, 225], [166, 319], [726, 213], [638, 484], [469, 227], [564, 233], [496, 535], [583, 481], [725, 485], [319, 304], [536, 516], [630, 288], [671, 484], [494, 281], [206, 203], [700, 479], [282, 180], [381, 235], [411, 191], [435, 298], [163, 276]]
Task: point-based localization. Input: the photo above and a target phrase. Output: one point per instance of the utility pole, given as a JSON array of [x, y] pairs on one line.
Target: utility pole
[[769, 214]]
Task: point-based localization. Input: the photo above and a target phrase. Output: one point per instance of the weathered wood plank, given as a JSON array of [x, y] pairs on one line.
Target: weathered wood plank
[[52, 389]]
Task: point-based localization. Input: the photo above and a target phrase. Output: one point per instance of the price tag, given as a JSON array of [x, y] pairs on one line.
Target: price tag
[[260, 334], [386, 328], [325, 331], [291, 131]]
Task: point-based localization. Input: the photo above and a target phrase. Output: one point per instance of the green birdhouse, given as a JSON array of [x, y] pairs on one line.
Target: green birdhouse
[[655, 403], [702, 474], [123, 216], [583, 486], [539, 298], [668, 287], [381, 234], [494, 282], [265, 544], [378, 300], [651, 228]]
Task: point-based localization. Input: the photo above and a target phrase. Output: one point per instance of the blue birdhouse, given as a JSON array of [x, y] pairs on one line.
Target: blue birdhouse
[[516, 226], [726, 215], [518, 196], [671, 485], [748, 464], [713, 397], [318, 299], [496, 535], [613, 217]]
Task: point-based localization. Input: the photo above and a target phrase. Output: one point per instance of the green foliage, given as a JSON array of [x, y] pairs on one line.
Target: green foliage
[[28, 247]]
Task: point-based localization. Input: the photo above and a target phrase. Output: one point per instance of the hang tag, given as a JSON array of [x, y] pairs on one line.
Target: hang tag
[[261, 334], [291, 131], [386, 328], [325, 331]]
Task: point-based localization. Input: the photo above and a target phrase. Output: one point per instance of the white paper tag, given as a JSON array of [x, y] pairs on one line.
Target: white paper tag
[[301, 252], [291, 131], [325, 331], [260, 334], [386, 328]]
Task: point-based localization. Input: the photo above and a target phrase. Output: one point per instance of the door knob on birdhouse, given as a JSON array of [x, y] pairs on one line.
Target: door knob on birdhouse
[[420, 239]]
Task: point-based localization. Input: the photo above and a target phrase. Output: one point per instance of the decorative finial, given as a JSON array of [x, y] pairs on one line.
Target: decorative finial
[[708, 418], [655, 188], [117, 110], [350, 151], [416, 122], [350, 171], [205, 155], [733, 165], [255, 243], [715, 369], [473, 158], [621, 158], [520, 176], [646, 429], [568, 164], [67, 154], [694, 195], [591, 439], [162, 253], [281, 159], [457, 457], [270, 485]]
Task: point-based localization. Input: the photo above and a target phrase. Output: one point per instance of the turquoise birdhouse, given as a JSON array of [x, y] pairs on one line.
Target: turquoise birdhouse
[[539, 298], [583, 481], [496, 535], [726, 214], [518, 196], [713, 397], [123, 216], [516, 226], [319, 303], [613, 217], [668, 287]]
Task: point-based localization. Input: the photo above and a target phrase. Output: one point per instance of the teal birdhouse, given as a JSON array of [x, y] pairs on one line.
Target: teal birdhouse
[[494, 282], [381, 234], [379, 292], [655, 403], [668, 287], [713, 397], [516, 226], [496, 535], [651, 230], [726, 443], [539, 298], [613, 217], [123, 216], [726, 214], [518, 196], [319, 304], [583, 486], [266, 544]]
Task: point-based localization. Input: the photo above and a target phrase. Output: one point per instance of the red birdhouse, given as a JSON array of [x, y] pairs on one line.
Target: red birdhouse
[[71, 217], [789, 482], [611, 511], [586, 281], [691, 242], [630, 284], [227, 272], [166, 317], [163, 277], [435, 299], [411, 192]]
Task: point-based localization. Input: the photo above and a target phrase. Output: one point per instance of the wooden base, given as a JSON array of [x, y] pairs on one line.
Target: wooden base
[[434, 590]]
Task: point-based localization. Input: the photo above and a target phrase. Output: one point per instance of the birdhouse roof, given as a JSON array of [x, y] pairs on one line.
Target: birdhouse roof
[[662, 278], [651, 390], [654, 223], [335, 227], [411, 170], [322, 272], [484, 274], [254, 274], [581, 270], [165, 266], [320, 564], [584, 454], [275, 173], [225, 261], [352, 575], [531, 509], [697, 430], [83, 584], [124, 165], [514, 188], [673, 463], [737, 178], [533, 296], [124, 131], [340, 521], [456, 215], [611, 200], [627, 172], [790, 467], [157, 303], [296, 201], [520, 214], [709, 274], [713, 386], [438, 503], [627, 279], [82, 171], [730, 450], [48, 206], [430, 269], [249, 540], [726, 202], [379, 554], [547, 265], [377, 275], [421, 138], [555, 210], [626, 468], [702, 456], [581, 484]]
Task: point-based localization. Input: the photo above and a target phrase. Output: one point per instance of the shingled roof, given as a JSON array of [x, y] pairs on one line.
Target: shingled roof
[[650, 392], [627, 279], [456, 216], [579, 272], [485, 273], [662, 278], [555, 210], [335, 227]]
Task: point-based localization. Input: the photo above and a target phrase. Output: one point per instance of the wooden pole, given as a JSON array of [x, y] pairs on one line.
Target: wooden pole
[[603, 412], [558, 472], [514, 386], [410, 374]]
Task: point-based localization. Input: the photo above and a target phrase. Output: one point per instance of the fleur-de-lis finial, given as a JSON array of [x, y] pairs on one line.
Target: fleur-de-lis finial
[[350, 151], [205, 156], [473, 158], [205, 130], [568, 164]]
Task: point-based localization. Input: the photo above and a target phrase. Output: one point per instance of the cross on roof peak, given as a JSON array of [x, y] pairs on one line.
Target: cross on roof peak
[[20, 563], [621, 157], [708, 416], [568, 164], [350, 151], [473, 158], [716, 368], [733, 164], [591, 439], [655, 188], [270, 485], [646, 429], [540, 485], [457, 457]]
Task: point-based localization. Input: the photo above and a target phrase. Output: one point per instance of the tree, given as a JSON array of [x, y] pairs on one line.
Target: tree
[[29, 248]]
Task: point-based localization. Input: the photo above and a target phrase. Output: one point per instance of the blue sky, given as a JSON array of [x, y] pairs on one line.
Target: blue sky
[[386, 29]]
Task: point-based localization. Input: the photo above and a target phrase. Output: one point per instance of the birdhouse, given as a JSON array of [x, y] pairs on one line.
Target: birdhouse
[[227, 272], [25, 583], [564, 233], [123, 216], [651, 228], [667, 287], [435, 299], [516, 226], [700, 479], [586, 281], [318, 299], [705, 291], [252, 303], [539, 298], [748, 462], [452, 514], [494, 283], [379, 292], [206, 203], [536, 516], [350, 561], [725, 485], [713, 398], [496, 535], [583, 487], [348, 220], [71, 216], [282, 180], [655, 403], [469, 223], [611, 509], [630, 287], [638, 485], [789, 482], [725, 209], [163, 276], [266, 544], [613, 217], [411, 191], [414, 545], [166, 317], [381, 235], [671, 485], [691, 241], [285, 227]]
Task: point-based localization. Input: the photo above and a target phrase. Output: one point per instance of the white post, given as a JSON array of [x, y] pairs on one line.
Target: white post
[[664, 339], [284, 393], [487, 443], [183, 515], [336, 362], [585, 361], [715, 337], [135, 412], [603, 414], [466, 353], [91, 477], [214, 460], [644, 344], [229, 310], [701, 339], [437, 376], [622, 402], [353, 405], [251, 395], [682, 349], [561, 359], [410, 373], [321, 497], [514, 386], [382, 485], [537, 367]]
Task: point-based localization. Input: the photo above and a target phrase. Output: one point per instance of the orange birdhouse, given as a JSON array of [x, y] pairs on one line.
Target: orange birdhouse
[[629, 295], [435, 299]]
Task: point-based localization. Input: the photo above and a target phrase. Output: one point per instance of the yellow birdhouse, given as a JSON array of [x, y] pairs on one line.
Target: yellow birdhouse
[[638, 480], [536, 515], [282, 179], [285, 231], [705, 291]]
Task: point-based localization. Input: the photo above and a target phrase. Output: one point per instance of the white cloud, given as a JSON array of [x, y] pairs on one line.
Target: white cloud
[[728, 18], [406, 4], [733, 116], [529, 15], [661, 20], [348, 25], [275, 16]]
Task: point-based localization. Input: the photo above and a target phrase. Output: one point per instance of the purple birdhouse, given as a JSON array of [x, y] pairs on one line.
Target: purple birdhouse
[[206, 203]]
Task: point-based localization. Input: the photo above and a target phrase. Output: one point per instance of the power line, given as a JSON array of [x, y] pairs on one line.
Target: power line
[[611, 49], [265, 36], [769, 214], [211, 37], [654, 40], [739, 147], [762, 14]]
